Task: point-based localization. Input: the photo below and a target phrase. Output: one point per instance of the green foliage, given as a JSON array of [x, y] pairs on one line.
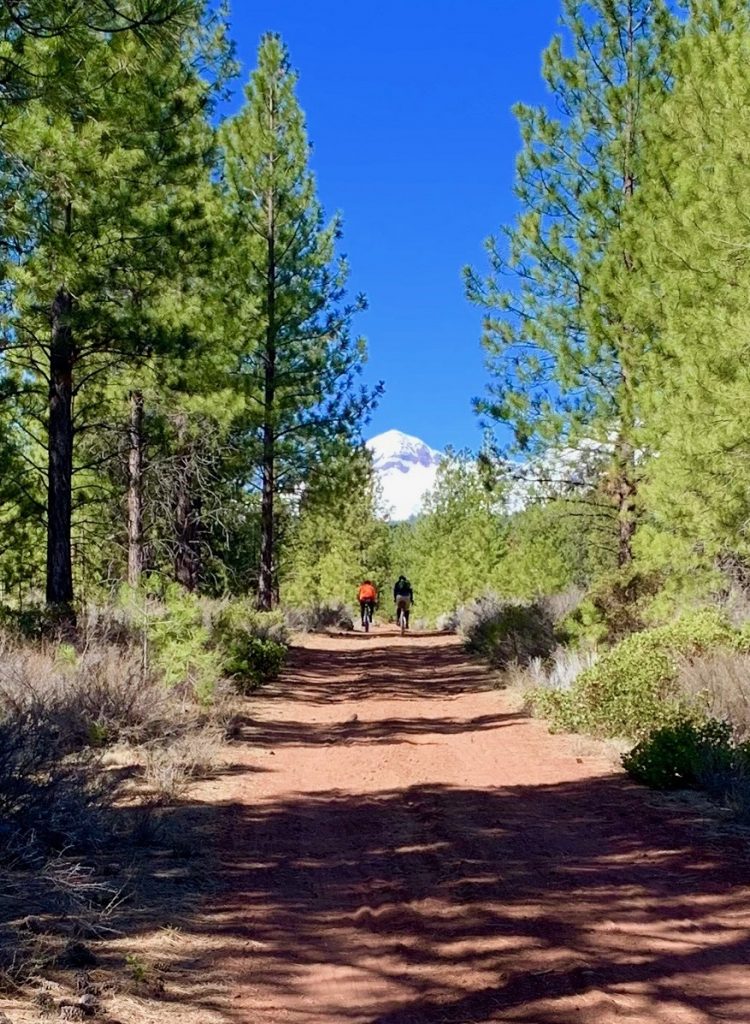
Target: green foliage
[[685, 754], [465, 543], [617, 604], [109, 174], [337, 538], [251, 661], [179, 641], [551, 546], [99, 734], [453, 551], [691, 231], [33, 622], [252, 645], [631, 690], [286, 287], [564, 359]]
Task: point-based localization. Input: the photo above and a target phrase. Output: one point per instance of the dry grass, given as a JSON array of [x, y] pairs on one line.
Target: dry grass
[[722, 680], [94, 755], [557, 672], [169, 768]]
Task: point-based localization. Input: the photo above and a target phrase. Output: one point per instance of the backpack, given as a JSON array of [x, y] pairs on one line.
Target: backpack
[[403, 588]]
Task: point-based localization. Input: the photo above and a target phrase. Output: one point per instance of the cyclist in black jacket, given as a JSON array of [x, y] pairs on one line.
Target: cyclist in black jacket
[[403, 595]]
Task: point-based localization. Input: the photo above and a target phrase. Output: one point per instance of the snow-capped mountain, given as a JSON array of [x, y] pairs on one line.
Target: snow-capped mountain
[[561, 472], [406, 468]]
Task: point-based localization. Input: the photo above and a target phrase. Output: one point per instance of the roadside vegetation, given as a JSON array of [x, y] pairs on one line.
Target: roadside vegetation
[[596, 551], [184, 483]]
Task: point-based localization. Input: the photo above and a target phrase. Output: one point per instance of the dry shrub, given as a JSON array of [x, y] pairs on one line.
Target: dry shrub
[[722, 679], [58, 711], [561, 670], [170, 768], [319, 618], [558, 673], [55, 910], [563, 604], [504, 632], [448, 622], [75, 719]]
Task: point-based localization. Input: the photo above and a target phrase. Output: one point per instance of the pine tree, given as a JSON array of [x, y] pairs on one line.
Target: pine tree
[[689, 228], [564, 362], [336, 537], [459, 542], [41, 41], [299, 362], [107, 208]]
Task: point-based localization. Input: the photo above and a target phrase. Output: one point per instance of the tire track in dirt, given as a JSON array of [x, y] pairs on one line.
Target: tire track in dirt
[[404, 848]]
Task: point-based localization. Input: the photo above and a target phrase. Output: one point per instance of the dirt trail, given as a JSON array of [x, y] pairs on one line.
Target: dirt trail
[[406, 849]]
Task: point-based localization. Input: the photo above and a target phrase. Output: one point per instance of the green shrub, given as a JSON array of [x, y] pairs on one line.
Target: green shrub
[[252, 645], [35, 622], [631, 690], [179, 641], [506, 633], [686, 754], [614, 608]]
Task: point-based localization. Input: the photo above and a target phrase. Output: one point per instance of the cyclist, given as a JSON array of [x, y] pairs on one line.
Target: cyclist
[[367, 596], [403, 595]]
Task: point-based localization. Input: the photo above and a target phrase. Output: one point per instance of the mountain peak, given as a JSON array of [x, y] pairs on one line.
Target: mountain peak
[[406, 468]]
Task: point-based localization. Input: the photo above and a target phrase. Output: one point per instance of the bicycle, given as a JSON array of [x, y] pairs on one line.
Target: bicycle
[[367, 616], [401, 619]]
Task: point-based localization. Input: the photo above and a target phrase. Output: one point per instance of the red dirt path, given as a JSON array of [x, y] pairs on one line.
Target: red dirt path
[[406, 849]]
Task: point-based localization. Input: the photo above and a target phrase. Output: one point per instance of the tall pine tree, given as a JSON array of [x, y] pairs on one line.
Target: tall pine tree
[[106, 208], [564, 360], [689, 228], [298, 360]]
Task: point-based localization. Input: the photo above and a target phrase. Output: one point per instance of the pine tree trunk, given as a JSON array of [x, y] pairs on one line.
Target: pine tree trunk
[[267, 538], [59, 590], [626, 519], [187, 519], [135, 489], [187, 562], [626, 487]]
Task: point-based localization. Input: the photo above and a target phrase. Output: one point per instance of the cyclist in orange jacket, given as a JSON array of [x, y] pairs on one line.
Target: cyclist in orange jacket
[[367, 595]]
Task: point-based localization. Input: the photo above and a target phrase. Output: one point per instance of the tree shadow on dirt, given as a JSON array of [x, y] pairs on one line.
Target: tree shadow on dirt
[[397, 671], [580, 901], [590, 901], [267, 735]]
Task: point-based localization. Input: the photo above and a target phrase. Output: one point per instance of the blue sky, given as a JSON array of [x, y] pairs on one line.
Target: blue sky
[[408, 107]]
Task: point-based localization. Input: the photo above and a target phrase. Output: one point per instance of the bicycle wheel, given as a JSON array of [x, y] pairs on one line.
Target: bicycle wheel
[[402, 621], [368, 613]]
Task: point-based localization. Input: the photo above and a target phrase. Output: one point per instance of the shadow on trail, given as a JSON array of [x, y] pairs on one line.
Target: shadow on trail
[[397, 671], [464, 905], [384, 731], [586, 901]]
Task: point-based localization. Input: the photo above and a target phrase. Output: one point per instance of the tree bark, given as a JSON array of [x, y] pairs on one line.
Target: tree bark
[[187, 517], [188, 509], [626, 486], [187, 563], [267, 513], [135, 489], [59, 589], [626, 518]]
